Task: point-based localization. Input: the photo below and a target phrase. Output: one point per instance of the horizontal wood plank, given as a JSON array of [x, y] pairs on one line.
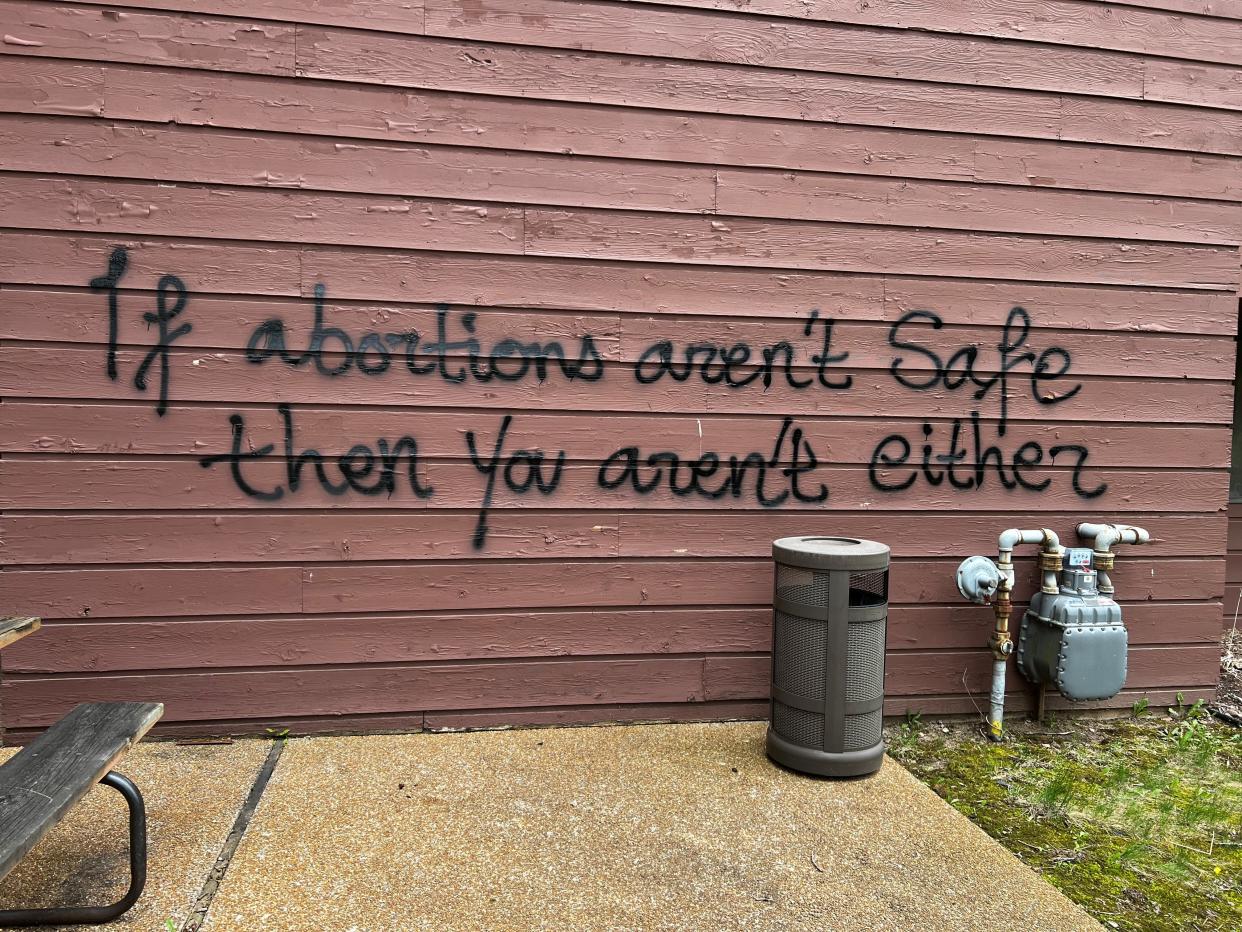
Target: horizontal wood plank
[[82, 317], [339, 110], [829, 47], [1224, 9], [187, 644], [52, 203], [1061, 22], [803, 245], [331, 692], [501, 585], [51, 145], [95, 33], [370, 690], [631, 29], [74, 485], [970, 206], [404, 16], [389, 15], [35, 202], [503, 70], [219, 267], [279, 537], [912, 673], [188, 154], [752, 709], [276, 589], [124, 429], [45, 372]]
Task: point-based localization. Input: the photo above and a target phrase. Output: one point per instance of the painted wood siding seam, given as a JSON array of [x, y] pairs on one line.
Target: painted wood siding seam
[[685, 34], [210, 695], [806, 146], [55, 203], [85, 149], [1110, 25], [272, 271], [849, 94]]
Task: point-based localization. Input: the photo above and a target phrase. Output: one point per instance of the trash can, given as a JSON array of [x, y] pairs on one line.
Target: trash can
[[830, 618]]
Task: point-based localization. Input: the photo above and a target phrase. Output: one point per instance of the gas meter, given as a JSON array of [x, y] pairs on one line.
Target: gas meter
[[1071, 635], [1074, 639]]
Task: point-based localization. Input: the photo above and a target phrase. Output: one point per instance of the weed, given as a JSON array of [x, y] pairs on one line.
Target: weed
[[907, 736], [1140, 707], [1057, 793]]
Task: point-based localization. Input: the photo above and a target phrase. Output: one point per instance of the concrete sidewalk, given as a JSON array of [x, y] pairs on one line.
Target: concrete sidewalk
[[642, 827]]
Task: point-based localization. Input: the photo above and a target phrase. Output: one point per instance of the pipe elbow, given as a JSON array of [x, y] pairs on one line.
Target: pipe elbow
[[1102, 536], [1014, 536], [1051, 542], [1107, 536]]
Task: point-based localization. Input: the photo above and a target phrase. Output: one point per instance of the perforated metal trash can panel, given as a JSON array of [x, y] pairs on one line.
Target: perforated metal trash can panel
[[799, 654], [800, 585], [797, 725], [864, 663], [863, 731]]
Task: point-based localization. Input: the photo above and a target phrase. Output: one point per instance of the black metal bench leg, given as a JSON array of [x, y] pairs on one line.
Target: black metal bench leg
[[75, 915]]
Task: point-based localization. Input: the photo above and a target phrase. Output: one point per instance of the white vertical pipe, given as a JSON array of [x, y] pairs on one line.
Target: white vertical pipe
[[996, 715]]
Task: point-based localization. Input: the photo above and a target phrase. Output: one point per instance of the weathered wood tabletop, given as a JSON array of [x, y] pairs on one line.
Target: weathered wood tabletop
[[58, 768], [17, 627]]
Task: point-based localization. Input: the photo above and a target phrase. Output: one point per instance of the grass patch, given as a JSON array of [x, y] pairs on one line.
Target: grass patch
[[1138, 820]]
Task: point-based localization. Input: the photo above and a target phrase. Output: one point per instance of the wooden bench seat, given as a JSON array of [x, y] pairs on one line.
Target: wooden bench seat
[[45, 779]]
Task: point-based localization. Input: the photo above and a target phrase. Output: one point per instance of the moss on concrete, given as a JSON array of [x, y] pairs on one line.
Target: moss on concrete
[[1139, 821]]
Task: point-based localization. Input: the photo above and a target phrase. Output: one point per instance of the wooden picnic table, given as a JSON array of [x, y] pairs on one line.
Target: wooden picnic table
[[16, 628], [44, 780]]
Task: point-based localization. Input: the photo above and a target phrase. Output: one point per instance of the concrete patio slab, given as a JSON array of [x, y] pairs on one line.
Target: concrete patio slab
[[638, 828], [193, 794]]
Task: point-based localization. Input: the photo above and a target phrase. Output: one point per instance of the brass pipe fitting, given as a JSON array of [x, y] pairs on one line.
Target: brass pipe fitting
[[1050, 560], [1000, 642]]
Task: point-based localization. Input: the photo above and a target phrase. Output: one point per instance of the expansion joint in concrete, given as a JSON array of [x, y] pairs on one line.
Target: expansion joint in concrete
[[198, 915]]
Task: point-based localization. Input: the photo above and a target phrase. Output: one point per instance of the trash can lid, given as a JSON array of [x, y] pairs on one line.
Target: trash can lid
[[824, 552]]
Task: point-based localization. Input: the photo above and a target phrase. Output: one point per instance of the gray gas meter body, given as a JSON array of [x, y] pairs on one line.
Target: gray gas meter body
[[1074, 640]]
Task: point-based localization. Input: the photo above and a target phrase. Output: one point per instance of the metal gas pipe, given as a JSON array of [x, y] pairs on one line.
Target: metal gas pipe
[[1105, 537], [979, 578], [1072, 633]]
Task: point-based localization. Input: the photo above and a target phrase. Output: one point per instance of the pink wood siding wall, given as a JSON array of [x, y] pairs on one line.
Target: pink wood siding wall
[[886, 180]]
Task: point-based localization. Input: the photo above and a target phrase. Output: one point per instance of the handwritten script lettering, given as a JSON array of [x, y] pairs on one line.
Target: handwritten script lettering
[[964, 453]]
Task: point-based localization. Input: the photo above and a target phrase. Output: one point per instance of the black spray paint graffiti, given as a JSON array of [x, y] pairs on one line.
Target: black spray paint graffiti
[[363, 470], [690, 477], [118, 261], [963, 455], [335, 352], [732, 365], [959, 370], [523, 468]]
